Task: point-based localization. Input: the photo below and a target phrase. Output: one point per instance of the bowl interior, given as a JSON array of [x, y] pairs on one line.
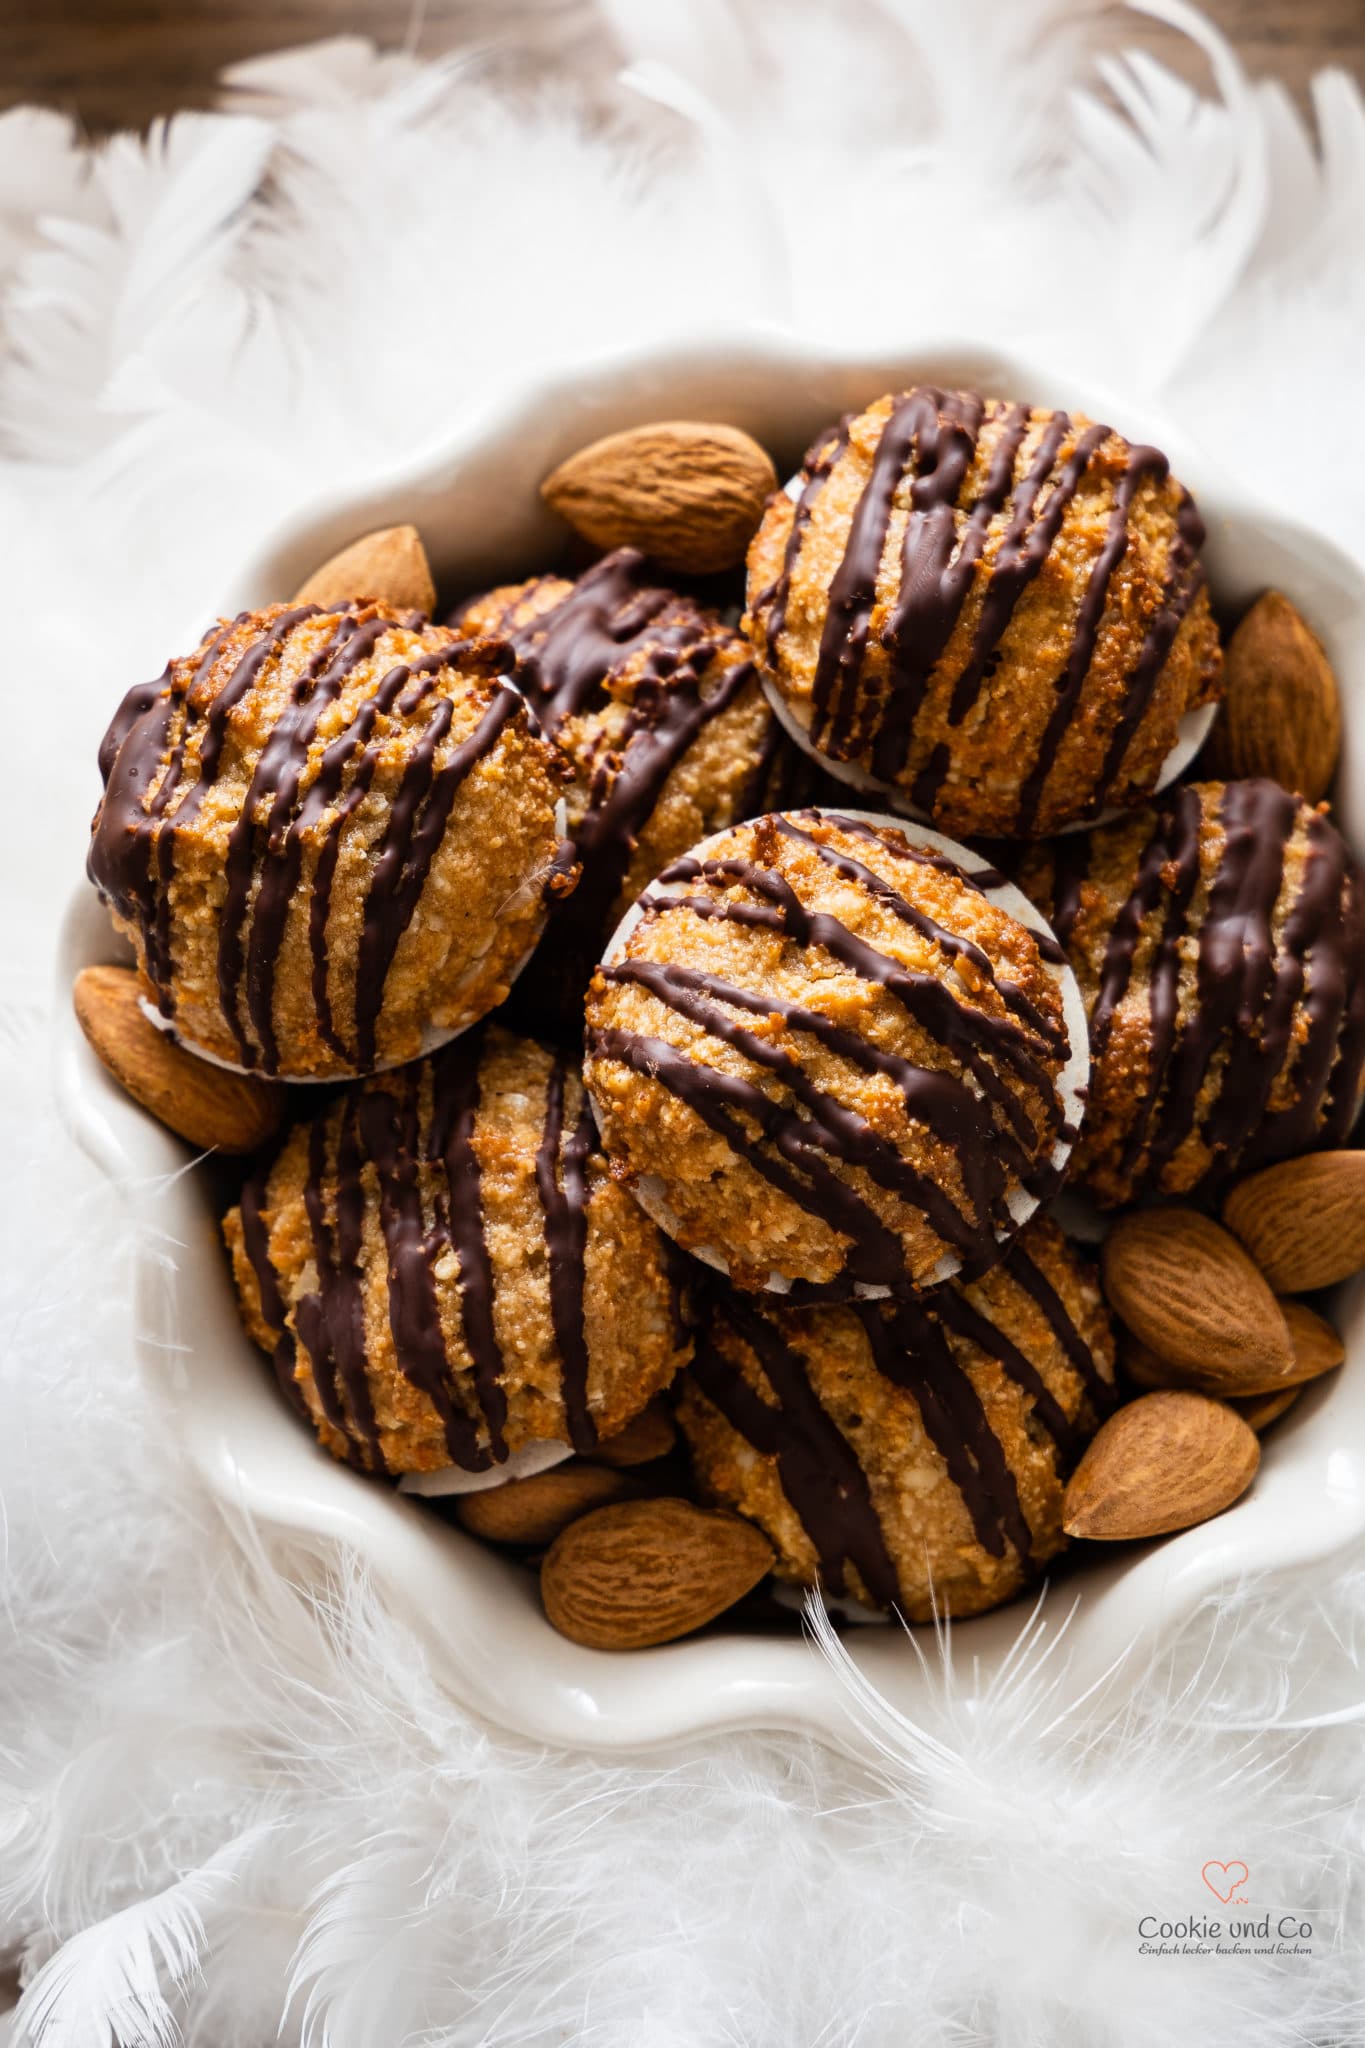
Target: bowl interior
[[476, 502]]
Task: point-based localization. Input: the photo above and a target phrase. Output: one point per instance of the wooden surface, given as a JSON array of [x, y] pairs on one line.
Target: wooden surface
[[118, 63]]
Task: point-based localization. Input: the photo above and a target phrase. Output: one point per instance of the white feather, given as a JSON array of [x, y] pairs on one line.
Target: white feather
[[113, 1981]]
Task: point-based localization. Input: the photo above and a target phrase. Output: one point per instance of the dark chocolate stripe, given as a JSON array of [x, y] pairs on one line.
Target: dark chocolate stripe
[[1214, 1066], [137, 702], [1235, 968], [819, 461], [1185, 579], [272, 846], [132, 852], [853, 587], [417, 820], [1328, 926], [322, 793], [819, 1471], [1141, 462], [390, 1128], [1031, 1277], [959, 1315], [969, 1034], [608, 618], [910, 1349], [1177, 874], [1070, 872], [874, 1255], [610, 622], [953, 944], [455, 1108], [937, 572], [331, 1321], [274, 1309], [1028, 541], [561, 1178], [935, 1099]]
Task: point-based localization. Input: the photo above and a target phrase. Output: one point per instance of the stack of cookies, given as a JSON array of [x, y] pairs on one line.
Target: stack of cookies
[[679, 1209]]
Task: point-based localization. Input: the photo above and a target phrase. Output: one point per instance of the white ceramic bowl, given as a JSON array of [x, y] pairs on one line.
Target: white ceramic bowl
[[475, 501]]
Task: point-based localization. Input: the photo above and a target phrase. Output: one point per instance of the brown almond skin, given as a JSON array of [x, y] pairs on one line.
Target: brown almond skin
[[689, 493], [1164, 1462], [531, 1512], [1258, 1411], [1187, 1290], [1303, 1222], [390, 565], [648, 1571], [1141, 1366], [651, 1435], [213, 1110], [1281, 712], [1316, 1346]]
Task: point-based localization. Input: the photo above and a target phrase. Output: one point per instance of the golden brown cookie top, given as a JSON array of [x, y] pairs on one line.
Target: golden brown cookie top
[[1219, 940], [998, 611], [445, 1270], [303, 755], [912, 1452], [835, 1054]]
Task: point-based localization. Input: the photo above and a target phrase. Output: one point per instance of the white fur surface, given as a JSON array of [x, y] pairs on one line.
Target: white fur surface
[[233, 1803]]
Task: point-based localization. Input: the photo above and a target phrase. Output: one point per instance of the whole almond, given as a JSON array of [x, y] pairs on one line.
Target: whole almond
[[647, 1571], [1281, 713], [390, 565], [1188, 1291], [689, 493], [1142, 1366], [211, 1108], [1258, 1411], [1163, 1462], [532, 1511], [1303, 1221], [1316, 1346], [651, 1435]]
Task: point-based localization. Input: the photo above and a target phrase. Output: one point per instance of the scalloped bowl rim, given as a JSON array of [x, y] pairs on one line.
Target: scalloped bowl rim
[[477, 1613]]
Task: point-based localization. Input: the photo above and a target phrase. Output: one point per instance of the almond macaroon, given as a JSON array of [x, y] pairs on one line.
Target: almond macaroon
[[445, 1272], [993, 613], [331, 835], [911, 1455]]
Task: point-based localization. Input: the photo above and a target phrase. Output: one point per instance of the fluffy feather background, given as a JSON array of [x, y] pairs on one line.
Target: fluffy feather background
[[233, 1803]]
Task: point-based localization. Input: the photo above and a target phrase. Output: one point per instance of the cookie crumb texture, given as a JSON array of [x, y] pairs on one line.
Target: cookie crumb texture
[[911, 1455], [998, 611], [1219, 940], [831, 1052], [444, 1269], [330, 836], [656, 702]]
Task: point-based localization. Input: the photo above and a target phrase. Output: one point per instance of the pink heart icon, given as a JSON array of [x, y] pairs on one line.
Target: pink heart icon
[[1219, 1875]]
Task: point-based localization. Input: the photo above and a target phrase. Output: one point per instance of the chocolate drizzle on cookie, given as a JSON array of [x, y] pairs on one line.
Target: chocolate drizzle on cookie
[[1262, 1056], [161, 730], [819, 1469], [405, 1157], [910, 1343], [932, 438], [616, 637], [998, 1114]]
